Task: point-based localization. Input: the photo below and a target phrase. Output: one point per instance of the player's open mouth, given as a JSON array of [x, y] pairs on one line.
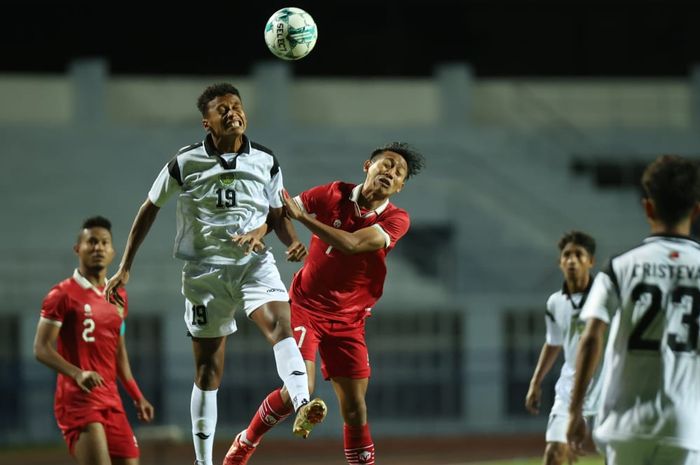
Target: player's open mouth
[[384, 181]]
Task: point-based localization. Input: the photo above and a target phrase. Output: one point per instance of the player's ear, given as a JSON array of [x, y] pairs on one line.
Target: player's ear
[[366, 165], [649, 209], [76, 248], [401, 186], [205, 124], [695, 212]]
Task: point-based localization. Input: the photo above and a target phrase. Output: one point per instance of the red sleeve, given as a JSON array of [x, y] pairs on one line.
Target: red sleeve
[[314, 199], [395, 225], [54, 305]]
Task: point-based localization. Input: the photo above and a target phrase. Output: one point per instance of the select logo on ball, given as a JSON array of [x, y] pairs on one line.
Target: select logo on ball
[[291, 33]]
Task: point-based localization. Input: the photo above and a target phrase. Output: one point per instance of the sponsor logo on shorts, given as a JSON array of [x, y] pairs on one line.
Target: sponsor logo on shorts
[[298, 373], [272, 289], [337, 223]]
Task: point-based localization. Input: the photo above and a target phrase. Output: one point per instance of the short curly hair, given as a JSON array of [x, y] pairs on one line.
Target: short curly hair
[[95, 222], [578, 238], [213, 91], [672, 183], [414, 159]]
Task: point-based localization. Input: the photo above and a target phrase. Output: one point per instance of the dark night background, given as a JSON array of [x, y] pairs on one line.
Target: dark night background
[[361, 38]]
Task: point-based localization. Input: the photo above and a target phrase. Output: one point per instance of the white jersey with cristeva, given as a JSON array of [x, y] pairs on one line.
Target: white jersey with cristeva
[[564, 328], [218, 195], [651, 386]]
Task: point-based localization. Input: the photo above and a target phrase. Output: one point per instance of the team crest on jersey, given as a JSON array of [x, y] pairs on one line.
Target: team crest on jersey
[[337, 223], [227, 179], [577, 324]]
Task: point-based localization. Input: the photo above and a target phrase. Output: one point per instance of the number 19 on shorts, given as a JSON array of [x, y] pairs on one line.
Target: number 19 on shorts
[[199, 315]]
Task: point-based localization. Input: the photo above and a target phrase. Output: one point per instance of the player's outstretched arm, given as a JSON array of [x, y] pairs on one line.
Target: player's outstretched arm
[[548, 355], [590, 348], [45, 351], [251, 241], [139, 229], [285, 231], [363, 240], [144, 409]]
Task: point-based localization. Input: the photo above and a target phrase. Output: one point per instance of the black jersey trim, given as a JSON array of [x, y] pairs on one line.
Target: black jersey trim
[[275, 164], [210, 148], [654, 237], [174, 170], [275, 167], [174, 166], [608, 270], [565, 291], [261, 147], [212, 151], [675, 238], [550, 315], [188, 148]]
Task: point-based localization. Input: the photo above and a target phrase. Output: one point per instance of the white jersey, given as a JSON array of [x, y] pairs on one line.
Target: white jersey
[[219, 195], [651, 387], [564, 328]]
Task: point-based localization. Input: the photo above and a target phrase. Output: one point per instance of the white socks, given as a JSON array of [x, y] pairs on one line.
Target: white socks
[[203, 412], [292, 370]]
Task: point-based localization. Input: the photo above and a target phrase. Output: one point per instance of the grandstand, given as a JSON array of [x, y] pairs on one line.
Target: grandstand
[[456, 336]]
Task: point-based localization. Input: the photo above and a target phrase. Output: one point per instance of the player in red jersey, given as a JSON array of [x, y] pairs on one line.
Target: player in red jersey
[[81, 336], [354, 227]]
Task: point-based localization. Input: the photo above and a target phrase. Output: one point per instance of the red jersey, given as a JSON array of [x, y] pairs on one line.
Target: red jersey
[[89, 337], [330, 283]]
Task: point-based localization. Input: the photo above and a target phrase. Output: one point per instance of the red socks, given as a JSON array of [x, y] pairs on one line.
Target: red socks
[[359, 448], [271, 411]]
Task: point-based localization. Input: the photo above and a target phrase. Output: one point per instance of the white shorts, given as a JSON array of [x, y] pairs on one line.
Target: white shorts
[[213, 293], [558, 424], [648, 452]]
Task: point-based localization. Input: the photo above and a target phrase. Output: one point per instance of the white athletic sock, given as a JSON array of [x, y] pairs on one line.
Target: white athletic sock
[[203, 413], [292, 370]]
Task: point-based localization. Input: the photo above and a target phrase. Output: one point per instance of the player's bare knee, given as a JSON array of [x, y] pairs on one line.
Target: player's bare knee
[[277, 334], [273, 326], [354, 412], [283, 330], [555, 453], [207, 377]]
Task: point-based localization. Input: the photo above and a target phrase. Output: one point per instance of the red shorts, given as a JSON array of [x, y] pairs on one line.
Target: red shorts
[[121, 441], [341, 345]]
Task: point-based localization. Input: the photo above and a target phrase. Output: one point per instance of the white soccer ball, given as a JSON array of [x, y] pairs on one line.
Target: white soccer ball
[[290, 33]]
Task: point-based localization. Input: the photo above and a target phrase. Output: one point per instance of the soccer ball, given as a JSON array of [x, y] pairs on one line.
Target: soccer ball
[[290, 33]]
